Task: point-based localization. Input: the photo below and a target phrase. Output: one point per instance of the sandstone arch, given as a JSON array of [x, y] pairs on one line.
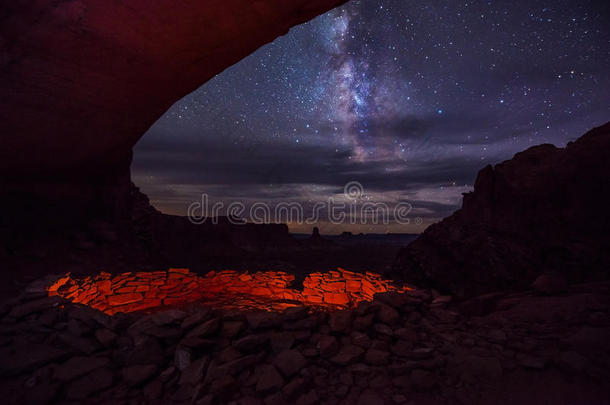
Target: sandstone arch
[[82, 80]]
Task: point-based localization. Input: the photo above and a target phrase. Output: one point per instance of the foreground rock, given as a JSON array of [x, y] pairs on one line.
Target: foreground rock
[[542, 212], [416, 347]]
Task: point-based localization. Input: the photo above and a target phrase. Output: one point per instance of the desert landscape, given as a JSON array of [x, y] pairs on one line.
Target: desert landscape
[[108, 298]]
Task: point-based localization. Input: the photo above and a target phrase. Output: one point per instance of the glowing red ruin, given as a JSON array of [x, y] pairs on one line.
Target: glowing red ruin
[[268, 290]]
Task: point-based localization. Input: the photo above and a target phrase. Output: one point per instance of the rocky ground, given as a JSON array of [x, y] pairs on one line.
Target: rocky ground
[[545, 345]]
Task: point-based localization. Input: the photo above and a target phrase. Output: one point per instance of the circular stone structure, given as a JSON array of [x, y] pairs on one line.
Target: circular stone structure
[[229, 289]]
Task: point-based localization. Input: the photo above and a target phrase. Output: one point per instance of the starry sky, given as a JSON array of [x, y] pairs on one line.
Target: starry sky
[[408, 98]]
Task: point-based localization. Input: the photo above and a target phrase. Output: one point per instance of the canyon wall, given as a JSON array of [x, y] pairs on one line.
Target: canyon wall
[[82, 80], [543, 212]]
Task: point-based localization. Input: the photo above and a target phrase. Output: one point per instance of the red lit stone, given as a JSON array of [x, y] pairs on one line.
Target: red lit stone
[[314, 299], [336, 298], [269, 291], [335, 286], [181, 271], [124, 290], [122, 299]]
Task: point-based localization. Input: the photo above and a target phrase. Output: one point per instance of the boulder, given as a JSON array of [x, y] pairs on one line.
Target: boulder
[[388, 315], [78, 366], [196, 318], [89, 384], [135, 375], [182, 358], [268, 379], [549, 284], [347, 354], [261, 319], [309, 398], [370, 397], [289, 362], [327, 346], [281, 340], [30, 307], [23, 357], [423, 380], [205, 329], [105, 336], [250, 342], [230, 329], [166, 317], [294, 387], [195, 372], [148, 351], [340, 321], [375, 357], [361, 339]]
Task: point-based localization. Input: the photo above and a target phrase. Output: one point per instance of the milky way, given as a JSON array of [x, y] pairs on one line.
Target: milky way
[[409, 98]]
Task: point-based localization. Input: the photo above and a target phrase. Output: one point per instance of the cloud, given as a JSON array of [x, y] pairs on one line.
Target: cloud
[[176, 170]]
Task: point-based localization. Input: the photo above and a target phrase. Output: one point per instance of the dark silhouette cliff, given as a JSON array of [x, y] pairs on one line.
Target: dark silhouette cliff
[[543, 212], [80, 82]]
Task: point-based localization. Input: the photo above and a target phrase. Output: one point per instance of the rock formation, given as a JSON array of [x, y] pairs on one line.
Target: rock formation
[[544, 211], [399, 349], [226, 289], [81, 82]]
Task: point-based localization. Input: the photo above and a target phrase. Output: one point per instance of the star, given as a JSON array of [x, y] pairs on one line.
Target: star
[[400, 96]]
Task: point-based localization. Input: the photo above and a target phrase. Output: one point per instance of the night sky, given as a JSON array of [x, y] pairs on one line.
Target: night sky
[[408, 98]]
